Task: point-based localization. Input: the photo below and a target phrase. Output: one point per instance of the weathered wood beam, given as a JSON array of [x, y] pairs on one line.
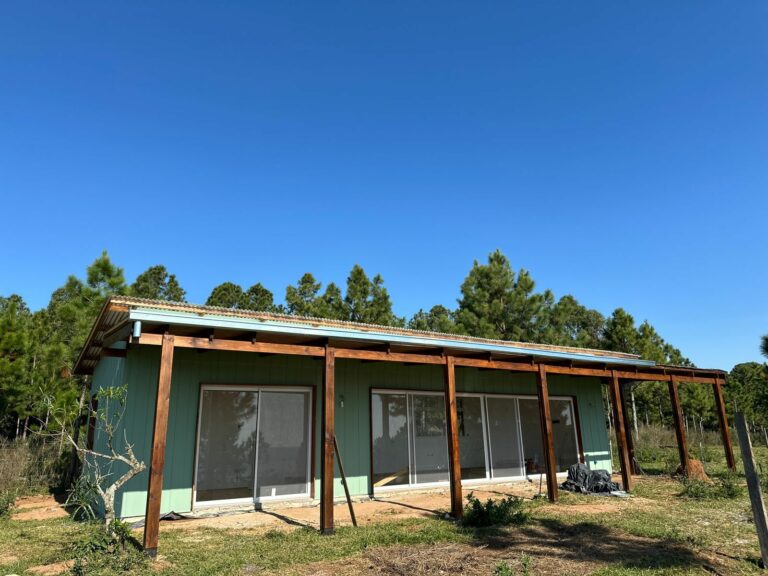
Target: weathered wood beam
[[725, 432], [328, 425], [454, 459], [621, 432], [159, 431], [677, 413], [409, 358], [545, 417], [628, 427]]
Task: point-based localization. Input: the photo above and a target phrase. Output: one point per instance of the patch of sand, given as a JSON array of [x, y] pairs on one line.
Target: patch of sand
[[52, 569], [8, 559]]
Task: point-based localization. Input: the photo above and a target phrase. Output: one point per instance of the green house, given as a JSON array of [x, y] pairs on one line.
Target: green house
[[250, 403]]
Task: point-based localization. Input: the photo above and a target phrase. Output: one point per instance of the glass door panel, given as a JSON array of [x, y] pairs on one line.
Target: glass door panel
[[471, 438], [506, 455], [530, 429], [389, 414], [430, 440], [283, 463], [564, 434], [227, 445]]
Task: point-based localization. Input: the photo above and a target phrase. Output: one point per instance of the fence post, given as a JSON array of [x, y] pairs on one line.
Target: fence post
[[753, 484]]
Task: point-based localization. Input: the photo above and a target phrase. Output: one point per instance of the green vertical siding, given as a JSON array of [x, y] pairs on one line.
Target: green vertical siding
[[353, 383]]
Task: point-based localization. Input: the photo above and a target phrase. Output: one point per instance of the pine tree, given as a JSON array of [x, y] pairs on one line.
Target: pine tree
[[14, 347], [258, 298], [301, 300], [157, 284], [438, 319], [226, 295]]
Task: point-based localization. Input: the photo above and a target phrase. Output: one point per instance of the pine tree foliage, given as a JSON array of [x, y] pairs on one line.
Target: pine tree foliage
[[38, 349]]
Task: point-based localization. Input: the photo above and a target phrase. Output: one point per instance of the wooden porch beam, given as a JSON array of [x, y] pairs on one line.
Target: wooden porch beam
[[326, 459], [159, 431], [454, 459], [677, 413], [725, 433], [545, 417], [408, 358], [621, 432]]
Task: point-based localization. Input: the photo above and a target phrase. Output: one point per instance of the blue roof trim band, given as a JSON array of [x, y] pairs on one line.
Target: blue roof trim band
[[212, 321]]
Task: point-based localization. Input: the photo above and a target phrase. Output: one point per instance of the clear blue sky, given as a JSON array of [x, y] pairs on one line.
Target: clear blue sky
[[617, 150]]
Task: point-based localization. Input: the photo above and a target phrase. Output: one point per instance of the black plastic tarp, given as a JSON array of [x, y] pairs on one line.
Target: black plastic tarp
[[582, 479]]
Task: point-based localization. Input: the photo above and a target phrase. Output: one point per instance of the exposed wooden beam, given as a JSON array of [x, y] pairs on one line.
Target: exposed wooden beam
[[725, 433], [621, 432], [412, 358], [159, 431], [628, 427], [454, 460], [677, 413], [119, 333], [545, 417], [326, 460]]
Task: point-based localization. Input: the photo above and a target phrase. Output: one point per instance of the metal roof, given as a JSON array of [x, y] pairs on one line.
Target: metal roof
[[121, 312]]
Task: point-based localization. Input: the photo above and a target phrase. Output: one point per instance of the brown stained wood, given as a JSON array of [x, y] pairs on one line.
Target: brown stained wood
[[454, 459], [628, 428], [545, 417], [159, 431], [677, 413], [495, 364], [725, 432], [326, 459], [621, 432], [354, 354], [407, 357]]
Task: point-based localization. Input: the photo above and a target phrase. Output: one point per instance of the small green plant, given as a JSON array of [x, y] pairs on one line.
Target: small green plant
[[83, 498], [7, 502], [730, 487], [697, 489], [527, 563], [503, 569], [98, 549], [509, 510]]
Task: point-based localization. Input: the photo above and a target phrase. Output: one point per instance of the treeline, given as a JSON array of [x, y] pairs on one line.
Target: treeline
[[38, 348]]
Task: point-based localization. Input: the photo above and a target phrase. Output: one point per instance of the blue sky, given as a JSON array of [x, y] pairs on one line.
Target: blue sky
[[618, 151]]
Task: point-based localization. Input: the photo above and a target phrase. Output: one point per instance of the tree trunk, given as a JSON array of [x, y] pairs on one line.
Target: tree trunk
[[73, 457], [24, 431], [18, 426]]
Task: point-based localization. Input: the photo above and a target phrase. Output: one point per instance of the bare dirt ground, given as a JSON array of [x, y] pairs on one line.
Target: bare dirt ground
[[396, 506], [38, 508]]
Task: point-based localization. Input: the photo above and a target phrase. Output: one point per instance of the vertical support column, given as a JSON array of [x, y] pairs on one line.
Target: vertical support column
[[628, 428], [621, 431], [326, 459], [545, 417], [454, 459], [159, 431], [677, 412], [724, 431]]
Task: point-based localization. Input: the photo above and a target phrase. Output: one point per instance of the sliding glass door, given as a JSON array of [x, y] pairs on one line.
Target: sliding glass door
[[499, 437], [253, 444]]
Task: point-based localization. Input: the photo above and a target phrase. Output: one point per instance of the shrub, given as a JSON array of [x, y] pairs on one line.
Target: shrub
[[97, 551], [727, 487], [503, 569], [509, 510], [7, 502], [83, 498], [31, 465]]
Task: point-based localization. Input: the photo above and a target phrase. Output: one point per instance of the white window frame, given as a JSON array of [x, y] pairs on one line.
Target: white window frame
[[489, 477], [257, 389]]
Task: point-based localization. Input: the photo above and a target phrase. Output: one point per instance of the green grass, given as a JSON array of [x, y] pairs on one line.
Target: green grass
[[660, 532]]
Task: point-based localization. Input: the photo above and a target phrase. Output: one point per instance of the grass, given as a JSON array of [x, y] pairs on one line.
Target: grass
[[661, 531]]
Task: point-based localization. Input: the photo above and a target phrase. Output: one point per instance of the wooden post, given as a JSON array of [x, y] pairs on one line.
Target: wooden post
[[160, 429], [545, 418], [326, 459], [628, 428], [725, 433], [621, 431], [677, 413], [454, 459], [753, 484]]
